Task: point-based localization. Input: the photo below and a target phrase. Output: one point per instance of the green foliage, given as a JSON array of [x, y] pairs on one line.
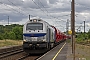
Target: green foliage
[[1, 37], [13, 32], [6, 35], [81, 37], [89, 34], [18, 32], [12, 35]]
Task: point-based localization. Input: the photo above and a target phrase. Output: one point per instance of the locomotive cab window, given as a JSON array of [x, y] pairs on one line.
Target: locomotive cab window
[[34, 26]]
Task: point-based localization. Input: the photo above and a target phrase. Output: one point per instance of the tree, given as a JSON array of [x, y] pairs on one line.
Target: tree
[[18, 32], [6, 35], [13, 31], [1, 37], [89, 34], [12, 35]]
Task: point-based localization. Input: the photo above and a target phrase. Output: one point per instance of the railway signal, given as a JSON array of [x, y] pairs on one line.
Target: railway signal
[[70, 32]]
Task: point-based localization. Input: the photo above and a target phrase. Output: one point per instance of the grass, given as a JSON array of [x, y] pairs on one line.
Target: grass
[[68, 40], [83, 51], [10, 42]]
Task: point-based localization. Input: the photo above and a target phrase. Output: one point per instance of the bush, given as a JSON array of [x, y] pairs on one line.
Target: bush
[[1, 37]]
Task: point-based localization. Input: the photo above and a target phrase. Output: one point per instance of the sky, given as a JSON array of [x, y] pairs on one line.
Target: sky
[[55, 12]]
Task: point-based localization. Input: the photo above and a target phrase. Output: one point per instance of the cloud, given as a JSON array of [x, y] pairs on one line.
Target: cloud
[[53, 1], [49, 10]]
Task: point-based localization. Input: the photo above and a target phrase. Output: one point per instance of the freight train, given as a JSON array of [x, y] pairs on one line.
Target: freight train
[[39, 36]]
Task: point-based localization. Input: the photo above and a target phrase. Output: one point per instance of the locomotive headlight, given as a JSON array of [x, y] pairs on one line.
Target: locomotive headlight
[[44, 40], [34, 20], [24, 40]]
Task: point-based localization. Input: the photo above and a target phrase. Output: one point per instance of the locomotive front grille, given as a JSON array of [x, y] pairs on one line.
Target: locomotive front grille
[[34, 38]]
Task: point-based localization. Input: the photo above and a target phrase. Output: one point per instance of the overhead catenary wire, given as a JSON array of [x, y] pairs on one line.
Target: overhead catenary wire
[[53, 16], [21, 9], [46, 11], [15, 9], [43, 6], [11, 8], [39, 7]]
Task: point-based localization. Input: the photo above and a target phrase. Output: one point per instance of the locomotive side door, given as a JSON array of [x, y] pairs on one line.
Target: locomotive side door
[[48, 37]]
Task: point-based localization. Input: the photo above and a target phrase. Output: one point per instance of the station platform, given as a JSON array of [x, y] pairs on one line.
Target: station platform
[[61, 52]]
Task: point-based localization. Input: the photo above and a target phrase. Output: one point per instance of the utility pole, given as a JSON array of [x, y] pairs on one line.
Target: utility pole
[[29, 17], [84, 29], [73, 27], [8, 20], [67, 25]]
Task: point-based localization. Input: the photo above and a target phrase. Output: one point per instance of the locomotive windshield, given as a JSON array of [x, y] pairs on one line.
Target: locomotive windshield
[[34, 26]]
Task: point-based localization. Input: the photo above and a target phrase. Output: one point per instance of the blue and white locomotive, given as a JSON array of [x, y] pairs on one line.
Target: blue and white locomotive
[[38, 36]]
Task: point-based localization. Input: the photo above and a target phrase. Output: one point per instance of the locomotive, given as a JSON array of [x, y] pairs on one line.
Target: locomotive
[[39, 36]]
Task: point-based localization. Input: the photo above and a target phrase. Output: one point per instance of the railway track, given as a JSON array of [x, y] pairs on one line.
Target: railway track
[[23, 57], [9, 53], [31, 58], [16, 54], [20, 56]]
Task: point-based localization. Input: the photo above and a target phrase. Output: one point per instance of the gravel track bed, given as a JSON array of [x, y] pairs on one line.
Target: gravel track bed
[[31, 58], [9, 48], [15, 57], [19, 55]]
